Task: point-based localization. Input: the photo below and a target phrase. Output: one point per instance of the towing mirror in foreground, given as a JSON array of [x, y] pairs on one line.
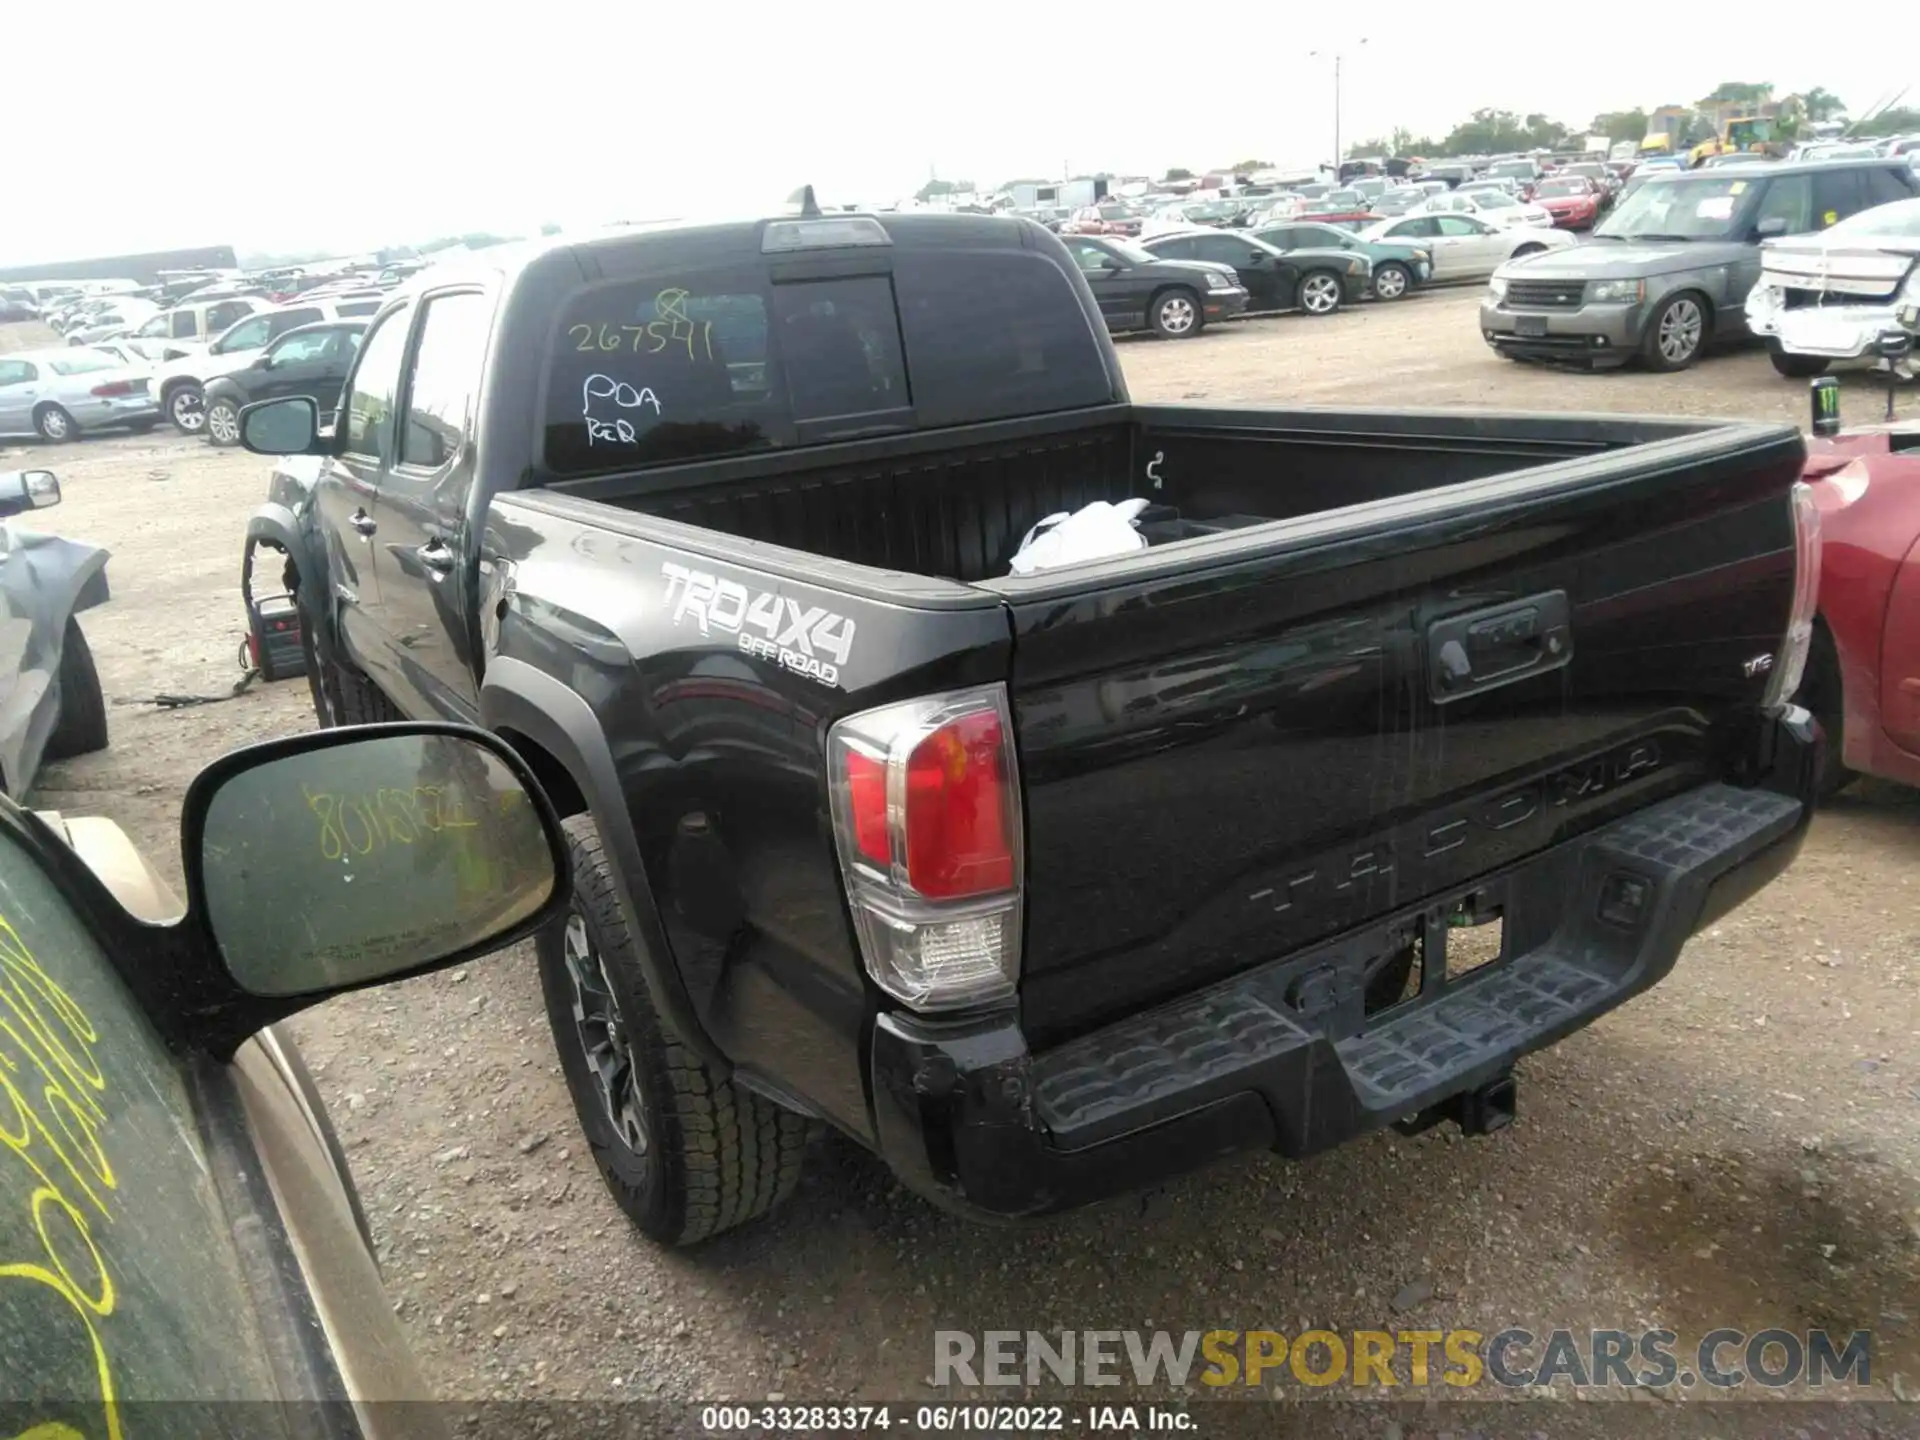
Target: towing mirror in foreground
[[24, 490], [288, 426], [343, 858]]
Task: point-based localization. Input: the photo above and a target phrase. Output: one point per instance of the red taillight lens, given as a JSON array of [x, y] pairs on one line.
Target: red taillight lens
[[867, 801], [957, 836], [926, 814], [114, 388]]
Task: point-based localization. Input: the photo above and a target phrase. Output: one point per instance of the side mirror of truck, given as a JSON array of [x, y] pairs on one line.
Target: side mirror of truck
[[24, 490], [1772, 225], [342, 858], [288, 426]]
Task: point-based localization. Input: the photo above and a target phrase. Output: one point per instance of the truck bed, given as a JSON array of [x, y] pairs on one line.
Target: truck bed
[[956, 505], [1236, 746]]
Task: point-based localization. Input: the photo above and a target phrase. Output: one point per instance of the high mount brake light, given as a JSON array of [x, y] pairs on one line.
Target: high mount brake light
[[926, 808], [1791, 663]]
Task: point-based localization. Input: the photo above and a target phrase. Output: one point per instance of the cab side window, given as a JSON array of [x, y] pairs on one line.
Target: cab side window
[[445, 380], [186, 324], [369, 401]]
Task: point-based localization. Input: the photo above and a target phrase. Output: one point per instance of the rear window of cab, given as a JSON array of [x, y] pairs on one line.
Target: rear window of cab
[[688, 366]]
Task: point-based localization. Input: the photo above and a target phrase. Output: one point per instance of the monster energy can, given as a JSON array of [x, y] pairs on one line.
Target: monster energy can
[[1826, 406]]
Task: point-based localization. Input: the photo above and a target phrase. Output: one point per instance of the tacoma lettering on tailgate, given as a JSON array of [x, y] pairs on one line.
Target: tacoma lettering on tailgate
[[806, 639]]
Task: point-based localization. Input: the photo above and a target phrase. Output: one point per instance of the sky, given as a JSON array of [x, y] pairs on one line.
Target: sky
[[357, 124]]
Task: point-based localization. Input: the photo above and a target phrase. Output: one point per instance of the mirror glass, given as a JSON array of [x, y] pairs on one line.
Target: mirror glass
[[355, 861], [279, 427], [42, 487]]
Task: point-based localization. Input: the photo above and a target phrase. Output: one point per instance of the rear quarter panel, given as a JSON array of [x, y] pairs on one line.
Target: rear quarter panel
[[717, 736]]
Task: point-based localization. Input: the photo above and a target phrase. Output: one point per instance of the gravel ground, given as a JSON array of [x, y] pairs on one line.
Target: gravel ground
[[1739, 1148]]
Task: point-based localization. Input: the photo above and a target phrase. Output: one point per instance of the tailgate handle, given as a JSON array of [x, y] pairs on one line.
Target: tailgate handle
[[1497, 646]]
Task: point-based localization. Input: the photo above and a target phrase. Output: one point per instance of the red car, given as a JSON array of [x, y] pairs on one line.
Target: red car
[[1351, 216], [1863, 671], [1574, 201], [1106, 219]]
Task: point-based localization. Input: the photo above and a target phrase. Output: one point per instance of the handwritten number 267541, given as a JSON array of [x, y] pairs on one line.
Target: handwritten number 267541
[[648, 339]]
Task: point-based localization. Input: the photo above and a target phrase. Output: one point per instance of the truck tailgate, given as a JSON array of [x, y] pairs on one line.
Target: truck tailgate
[[1240, 745]]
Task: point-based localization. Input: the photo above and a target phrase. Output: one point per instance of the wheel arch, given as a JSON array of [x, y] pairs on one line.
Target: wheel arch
[[556, 732]]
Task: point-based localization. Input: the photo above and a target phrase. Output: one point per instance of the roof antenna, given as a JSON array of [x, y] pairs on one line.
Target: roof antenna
[[803, 203]]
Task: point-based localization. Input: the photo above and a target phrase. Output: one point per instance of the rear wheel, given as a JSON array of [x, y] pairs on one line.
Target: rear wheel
[[686, 1153], [223, 423], [1320, 292], [1391, 281], [1796, 367], [1176, 314], [54, 425]]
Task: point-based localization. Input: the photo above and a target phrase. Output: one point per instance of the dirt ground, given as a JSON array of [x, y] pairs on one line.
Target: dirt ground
[[1741, 1147]]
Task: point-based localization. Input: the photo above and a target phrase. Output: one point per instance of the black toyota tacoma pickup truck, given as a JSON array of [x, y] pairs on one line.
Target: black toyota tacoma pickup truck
[[1043, 888]]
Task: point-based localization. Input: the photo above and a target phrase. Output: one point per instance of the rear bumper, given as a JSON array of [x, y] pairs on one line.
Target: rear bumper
[[967, 1115]]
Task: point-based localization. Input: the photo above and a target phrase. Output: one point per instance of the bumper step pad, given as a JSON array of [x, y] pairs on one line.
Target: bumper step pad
[[1324, 1081]]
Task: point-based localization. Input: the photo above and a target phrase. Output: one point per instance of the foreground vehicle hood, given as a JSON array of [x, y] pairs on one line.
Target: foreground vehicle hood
[[1603, 259]]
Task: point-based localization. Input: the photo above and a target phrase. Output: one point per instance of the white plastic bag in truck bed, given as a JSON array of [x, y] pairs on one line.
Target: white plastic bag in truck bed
[[1091, 533]]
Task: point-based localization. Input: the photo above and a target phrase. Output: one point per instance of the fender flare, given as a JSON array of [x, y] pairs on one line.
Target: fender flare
[[274, 524], [516, 696]]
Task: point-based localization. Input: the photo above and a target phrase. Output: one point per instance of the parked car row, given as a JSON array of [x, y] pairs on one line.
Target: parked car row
[[1673, 271]]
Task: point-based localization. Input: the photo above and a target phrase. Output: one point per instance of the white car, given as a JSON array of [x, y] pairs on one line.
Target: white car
[[1496, 207], [1466, 247]]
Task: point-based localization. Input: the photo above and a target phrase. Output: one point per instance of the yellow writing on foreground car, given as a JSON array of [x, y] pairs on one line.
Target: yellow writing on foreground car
[[182, 1252], [1718, 1362]]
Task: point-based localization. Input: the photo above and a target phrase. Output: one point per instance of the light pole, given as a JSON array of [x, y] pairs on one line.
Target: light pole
[[1337, 59]]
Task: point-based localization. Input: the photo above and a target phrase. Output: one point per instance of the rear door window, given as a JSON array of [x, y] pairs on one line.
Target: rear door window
[[1836, 195], [445, 379]]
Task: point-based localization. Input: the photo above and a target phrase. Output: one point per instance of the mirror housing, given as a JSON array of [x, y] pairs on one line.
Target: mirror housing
[[1771, 226], [287, 426], [24, 490], [332, 861]]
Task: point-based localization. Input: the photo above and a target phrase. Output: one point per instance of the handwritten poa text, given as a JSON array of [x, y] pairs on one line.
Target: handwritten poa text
[[613, 429]]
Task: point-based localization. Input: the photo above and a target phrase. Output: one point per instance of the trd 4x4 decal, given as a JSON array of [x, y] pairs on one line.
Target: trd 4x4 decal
[[808, 640]]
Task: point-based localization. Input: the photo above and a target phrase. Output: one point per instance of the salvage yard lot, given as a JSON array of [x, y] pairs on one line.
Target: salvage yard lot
[[1739, 1148]]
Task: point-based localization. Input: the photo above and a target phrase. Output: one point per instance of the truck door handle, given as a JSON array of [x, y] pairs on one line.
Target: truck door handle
[[437, 556], [362, 522]]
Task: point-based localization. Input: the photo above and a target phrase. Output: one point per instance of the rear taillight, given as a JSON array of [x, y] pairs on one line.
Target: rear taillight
[[113, 389], [1791, 663], [926, 811]]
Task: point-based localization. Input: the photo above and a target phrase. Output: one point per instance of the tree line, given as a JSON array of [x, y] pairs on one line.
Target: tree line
[[1493, 131]]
